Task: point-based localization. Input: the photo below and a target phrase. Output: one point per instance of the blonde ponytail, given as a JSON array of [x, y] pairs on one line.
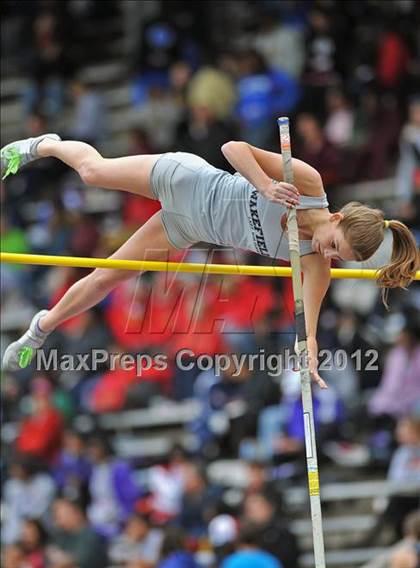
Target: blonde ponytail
[[405, 260]]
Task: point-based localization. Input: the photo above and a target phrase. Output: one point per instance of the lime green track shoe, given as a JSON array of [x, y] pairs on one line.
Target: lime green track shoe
[[20, 353], [22, 152]]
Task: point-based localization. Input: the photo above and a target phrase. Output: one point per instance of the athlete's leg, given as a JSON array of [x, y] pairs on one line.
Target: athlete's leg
[[148, 243], [131, 173]]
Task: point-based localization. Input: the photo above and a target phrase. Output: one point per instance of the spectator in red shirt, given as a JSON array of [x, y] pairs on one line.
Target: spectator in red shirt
[[40, 433], [393, 57], [33, 540], [312, 147]]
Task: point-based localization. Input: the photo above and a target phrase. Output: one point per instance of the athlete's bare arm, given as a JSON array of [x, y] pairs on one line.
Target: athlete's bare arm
[[240, 155], [261, 167], [316, 281]]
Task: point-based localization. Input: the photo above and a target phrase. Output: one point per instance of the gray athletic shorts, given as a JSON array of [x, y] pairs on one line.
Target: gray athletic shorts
[[173, 181]]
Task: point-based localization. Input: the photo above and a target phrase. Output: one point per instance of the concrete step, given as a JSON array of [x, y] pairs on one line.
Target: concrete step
[[345, 558], [11, 112], [118, 96], [163, 415], [12, 87], [100, 73], [350, 491], [133, 447], [335, 525]]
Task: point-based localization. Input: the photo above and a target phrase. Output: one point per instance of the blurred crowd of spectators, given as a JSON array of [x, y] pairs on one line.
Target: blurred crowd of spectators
[[198, 75]]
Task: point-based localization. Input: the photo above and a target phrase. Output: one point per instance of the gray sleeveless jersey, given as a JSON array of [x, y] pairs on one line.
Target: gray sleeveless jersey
[[201, 203]]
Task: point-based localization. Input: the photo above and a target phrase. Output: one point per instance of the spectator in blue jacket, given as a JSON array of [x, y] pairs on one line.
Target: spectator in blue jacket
[[249, 554], [173, 554], [262, 94], [72, 470], [112, 489]]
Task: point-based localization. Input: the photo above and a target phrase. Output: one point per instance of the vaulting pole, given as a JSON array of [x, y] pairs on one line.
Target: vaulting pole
[[308, 412]]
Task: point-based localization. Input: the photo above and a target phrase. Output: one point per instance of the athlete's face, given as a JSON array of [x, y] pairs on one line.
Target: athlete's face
[[328, 240]]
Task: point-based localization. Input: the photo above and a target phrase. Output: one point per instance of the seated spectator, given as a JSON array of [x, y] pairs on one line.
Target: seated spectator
[[322, 57], [249, 553], [13, 556], [223, 532], [350, 334], [203, 133], [112, 489], [405, 463], [281, 43], [72, 469], [27, 493], [404, 554], [257, 477], [138, 546], [89, 114], [262, 93], [258, 392], [220, 396], [73, 542], [211, 94], [33, 540], [400, 388], [144, 309], [246, 301], [174, 554], [393, 58], [47, 65], [166, 483], [120, 386], [10, 395], [408, 167], [280, 427], [231, 403], [84, 235], [270, 529], [404, 468], [407, 555], [198, 501], [365, 113], [339, 124], [312, 147], [179, 77], [86, 334], [13, 239], [159, 48], [261, 478], [159, 116], [213, 88], [201, 318], [382, 119], [40, 434]]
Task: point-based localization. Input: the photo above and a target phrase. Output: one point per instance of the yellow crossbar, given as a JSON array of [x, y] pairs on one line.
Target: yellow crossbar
[[155, 266]]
